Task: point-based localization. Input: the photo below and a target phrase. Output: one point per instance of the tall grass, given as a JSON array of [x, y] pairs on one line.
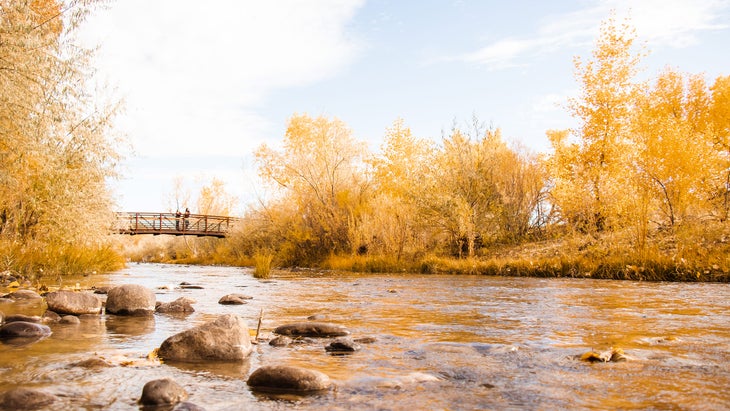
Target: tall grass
[[262, 265], [37, 261]]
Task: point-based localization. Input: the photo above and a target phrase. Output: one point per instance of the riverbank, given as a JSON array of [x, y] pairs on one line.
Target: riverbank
[[669, 257], [699, 253]]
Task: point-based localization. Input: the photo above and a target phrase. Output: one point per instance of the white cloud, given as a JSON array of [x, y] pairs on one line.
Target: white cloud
[[193, 74], [673, 23]]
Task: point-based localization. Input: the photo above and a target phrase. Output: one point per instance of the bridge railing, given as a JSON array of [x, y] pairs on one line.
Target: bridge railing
[[169, 223]]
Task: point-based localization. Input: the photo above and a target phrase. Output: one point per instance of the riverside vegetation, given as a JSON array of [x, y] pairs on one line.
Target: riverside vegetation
[[637, 190]]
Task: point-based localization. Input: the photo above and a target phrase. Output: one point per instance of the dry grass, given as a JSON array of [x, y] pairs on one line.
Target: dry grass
[[36, 261], [262, 265], [690, 253]]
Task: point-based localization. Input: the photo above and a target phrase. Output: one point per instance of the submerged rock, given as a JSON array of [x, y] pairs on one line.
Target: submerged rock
[[312, 329], [280, 341], [130, 299], [234, 299], [286, 378], [342, 346], [614, 355], [74, 303], [187, 406], [92, 363], [162, 392], [70, 319], [25, 399], [20, 317], [50, 317], [225, 339], [23, 295], [181, 305], [23, 329]]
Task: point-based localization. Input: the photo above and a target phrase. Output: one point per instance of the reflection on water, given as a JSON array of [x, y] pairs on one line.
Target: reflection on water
[[440, 342]]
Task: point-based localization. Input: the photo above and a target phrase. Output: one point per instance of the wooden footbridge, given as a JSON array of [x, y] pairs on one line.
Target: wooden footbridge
[[200, 225]]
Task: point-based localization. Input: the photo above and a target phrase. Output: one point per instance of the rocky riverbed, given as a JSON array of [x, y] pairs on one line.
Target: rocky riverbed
[[185, 338]]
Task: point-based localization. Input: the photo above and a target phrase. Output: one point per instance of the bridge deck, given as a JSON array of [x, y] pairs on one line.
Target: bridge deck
[[200, 225]]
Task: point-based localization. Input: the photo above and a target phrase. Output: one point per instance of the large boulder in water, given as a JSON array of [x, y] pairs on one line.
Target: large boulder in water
[[73, 303], [286, 378], [162, 392], [23, 329], [312, 329], [25, 399], [130, 299], [225, 339]]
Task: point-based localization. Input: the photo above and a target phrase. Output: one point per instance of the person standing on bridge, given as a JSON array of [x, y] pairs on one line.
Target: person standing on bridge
[[177, 219], [186, 217]]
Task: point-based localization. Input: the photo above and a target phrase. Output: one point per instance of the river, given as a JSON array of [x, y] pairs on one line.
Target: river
[[441, 342]]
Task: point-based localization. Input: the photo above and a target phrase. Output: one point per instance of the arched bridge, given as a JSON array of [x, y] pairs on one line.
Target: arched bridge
[[200, 225]]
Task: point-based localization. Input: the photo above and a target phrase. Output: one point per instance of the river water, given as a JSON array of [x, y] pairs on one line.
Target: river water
[[441, 342]]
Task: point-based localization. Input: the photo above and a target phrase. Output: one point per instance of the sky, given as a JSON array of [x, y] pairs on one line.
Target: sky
[[203, 84]]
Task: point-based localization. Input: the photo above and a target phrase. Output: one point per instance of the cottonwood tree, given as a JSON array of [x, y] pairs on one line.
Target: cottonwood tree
[[215, 199], [674, 151], [400, 175], [592, 184], [463, 194], [719, 117], [56, 152], [522, 185], [321, 169]]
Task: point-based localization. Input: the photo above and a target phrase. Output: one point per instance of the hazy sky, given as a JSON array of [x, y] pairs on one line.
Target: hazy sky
[[205, 83]]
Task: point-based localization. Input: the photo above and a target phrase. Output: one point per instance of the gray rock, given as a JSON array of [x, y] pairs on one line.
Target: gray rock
[[23, 295], [312, 329], [74, 303], [191, 287], [342, 346], [22, 329], [50, 317], [365, 340], [162, 392], [101, 290], [225, 339], [25, 399], [92, 363], [20, 317], [181, 305], [70, 319], [130, 299], [280, 341], [286, 378], [234, 299]]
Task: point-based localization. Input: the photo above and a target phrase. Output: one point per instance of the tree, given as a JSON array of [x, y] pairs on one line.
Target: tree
[[56, 152], [719, 115], [321, 169], [215, 200], [399, 178], [522, 184], [674, 154], [594, 165]]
